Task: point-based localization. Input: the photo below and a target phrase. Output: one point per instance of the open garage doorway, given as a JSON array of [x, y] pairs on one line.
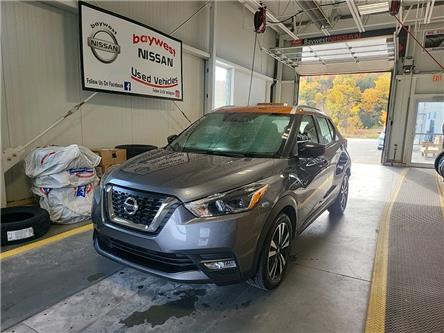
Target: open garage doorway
[[357, 104]]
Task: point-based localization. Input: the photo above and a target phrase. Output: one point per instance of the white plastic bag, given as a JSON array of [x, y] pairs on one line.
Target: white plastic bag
[[69, 178], [54, 159], [67, 205]]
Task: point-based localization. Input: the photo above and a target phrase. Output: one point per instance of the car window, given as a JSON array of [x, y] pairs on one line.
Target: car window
[[325, 133], [333, 131], [307, 130]]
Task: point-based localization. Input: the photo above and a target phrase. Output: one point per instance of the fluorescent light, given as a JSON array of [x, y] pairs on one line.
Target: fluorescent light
[[373, 8]]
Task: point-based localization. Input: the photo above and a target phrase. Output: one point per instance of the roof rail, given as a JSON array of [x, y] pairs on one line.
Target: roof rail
[[272, 104], [311, 108]]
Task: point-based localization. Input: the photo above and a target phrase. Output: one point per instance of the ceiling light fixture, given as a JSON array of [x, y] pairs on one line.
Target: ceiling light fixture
[[374, 8]]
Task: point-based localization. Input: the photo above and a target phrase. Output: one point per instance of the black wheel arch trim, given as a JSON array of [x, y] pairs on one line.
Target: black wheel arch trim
[[285, 201]]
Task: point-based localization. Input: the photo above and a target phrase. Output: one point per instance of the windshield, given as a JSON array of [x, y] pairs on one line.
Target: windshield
[[236, 134]]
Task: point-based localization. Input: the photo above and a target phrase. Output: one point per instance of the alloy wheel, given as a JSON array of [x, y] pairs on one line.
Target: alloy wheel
[[344, 193], [278, 251]]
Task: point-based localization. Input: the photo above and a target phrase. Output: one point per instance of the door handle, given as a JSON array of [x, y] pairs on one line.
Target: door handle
[[322, 162]]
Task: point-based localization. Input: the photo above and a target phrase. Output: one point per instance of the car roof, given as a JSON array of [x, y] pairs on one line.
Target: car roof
[[280, 108]]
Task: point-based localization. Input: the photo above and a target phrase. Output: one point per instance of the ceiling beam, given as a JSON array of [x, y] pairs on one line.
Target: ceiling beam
[[356, 16]]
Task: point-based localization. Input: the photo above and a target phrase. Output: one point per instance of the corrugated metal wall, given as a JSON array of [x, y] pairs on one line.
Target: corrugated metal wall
[[41, 76]]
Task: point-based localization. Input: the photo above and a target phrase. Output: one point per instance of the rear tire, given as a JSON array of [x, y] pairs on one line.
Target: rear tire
[[275, 253], [340, 203]]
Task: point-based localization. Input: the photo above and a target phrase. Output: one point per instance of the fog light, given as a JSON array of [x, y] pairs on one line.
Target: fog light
[[220, 264]]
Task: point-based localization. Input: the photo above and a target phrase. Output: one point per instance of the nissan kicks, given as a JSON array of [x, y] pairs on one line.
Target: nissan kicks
[[223, 201]]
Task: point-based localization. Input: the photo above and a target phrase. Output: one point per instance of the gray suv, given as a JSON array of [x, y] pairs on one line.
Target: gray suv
[[223, 201]]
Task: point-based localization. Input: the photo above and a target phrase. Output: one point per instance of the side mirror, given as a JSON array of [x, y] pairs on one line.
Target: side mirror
[[171, 138], [310, 149]]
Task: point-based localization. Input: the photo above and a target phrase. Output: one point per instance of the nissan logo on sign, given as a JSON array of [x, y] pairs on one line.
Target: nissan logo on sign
[[104, 45], [130, 206]]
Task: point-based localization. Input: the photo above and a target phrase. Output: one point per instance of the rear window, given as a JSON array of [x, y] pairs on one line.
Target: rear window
[[325, 135], [333, 131]]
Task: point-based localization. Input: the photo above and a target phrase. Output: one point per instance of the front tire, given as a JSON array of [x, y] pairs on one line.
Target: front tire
[[340, 203], [275, 254]]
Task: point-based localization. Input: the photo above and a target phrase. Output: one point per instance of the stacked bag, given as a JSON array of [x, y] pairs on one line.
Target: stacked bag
[[64, 178]]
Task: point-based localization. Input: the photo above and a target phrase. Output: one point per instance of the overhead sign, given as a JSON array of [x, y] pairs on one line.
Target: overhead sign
[[434, 40], [123, 56]]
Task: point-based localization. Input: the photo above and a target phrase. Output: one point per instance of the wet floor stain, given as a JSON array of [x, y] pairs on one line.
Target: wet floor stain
[[159, 314], [95, 277]]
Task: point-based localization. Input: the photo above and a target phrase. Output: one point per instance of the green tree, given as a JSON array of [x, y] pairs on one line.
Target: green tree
[[374, 101], [342, 103], [354, 101]]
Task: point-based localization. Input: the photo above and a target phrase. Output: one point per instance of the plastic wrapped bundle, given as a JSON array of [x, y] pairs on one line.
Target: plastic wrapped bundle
[[54, 159], [64, 178], [67, 205]]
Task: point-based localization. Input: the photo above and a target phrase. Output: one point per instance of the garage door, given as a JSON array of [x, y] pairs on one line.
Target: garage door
[[349, 53]]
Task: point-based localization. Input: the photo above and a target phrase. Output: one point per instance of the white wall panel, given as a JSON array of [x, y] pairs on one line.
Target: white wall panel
[[404, 110], [241, 86], [40, 68], [235, 37], [287, 93], [167, 16]]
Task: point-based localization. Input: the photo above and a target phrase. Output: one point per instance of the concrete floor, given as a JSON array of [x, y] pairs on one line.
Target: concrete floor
[[326, 289], [364, 150]]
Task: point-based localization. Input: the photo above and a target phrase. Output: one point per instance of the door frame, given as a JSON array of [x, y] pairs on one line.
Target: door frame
[[411, 127]]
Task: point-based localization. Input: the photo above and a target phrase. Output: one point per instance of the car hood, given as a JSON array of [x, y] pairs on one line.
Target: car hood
[[189, 176]]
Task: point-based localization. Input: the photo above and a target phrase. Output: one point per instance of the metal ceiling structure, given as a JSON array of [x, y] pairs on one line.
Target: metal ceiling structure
[[295, 20]]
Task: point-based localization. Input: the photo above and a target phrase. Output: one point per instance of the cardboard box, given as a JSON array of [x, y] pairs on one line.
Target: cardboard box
[[111, 157]]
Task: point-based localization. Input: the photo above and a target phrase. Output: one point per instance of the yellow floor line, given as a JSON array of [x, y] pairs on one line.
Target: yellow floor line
[[377, 303], [440, 185], [44, 242]]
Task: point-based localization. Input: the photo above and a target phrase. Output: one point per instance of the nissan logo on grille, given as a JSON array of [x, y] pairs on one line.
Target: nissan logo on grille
[[130, 206]]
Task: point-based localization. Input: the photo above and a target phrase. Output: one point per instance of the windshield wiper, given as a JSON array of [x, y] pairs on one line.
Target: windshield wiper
[[226, 153]]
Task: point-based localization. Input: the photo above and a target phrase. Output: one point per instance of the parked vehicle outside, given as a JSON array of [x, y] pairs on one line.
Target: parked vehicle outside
[[223, 201], [381, 139]]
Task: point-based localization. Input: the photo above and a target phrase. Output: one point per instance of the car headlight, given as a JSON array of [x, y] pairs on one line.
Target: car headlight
[[235, 201]]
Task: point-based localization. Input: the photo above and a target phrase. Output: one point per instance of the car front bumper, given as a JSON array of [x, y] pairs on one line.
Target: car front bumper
[[184, 243]]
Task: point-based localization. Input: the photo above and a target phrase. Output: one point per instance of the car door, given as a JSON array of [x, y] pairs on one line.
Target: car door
[[307, 174], [329, 138]]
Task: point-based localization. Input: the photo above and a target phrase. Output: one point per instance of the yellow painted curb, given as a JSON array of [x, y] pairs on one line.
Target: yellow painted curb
[[44, 242], [377, 303]]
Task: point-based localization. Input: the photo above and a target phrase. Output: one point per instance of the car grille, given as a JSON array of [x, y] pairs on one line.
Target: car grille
[[166, 262], [148, 206]]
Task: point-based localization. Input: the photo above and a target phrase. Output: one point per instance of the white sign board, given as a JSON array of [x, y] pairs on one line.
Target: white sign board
[[122, 56]]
